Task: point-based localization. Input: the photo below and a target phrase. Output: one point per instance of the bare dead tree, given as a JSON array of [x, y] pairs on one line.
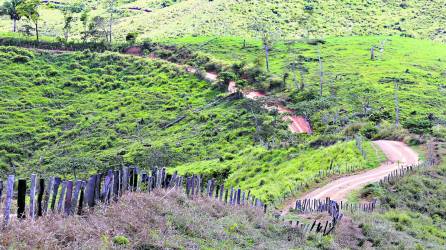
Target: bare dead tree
[[397, 107], [321, 72]]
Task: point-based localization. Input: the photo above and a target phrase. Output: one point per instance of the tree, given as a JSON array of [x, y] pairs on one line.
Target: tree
[[111, 9], [85, 16], [68, 12], [9, 8], [267, 32], [97, 29], [29, 9], [321, 72], [397, 105]]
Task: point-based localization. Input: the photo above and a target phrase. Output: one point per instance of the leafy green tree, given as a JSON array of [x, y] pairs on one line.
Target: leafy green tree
[[9, 8], [30, 10]]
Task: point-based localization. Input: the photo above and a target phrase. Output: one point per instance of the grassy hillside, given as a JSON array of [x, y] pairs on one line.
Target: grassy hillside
[[415, 212], [76, 113], [420, 19], [277, 173], [87, 111], [355, 87]]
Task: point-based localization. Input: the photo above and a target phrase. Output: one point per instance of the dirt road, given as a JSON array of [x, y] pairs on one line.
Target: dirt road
[[398, 155]]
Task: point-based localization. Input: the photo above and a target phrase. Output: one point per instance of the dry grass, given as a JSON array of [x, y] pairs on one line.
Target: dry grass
[[158, 221]]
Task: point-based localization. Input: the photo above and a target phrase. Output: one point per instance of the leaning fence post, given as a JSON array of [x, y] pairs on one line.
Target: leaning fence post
[[9, 194], [32, 197]]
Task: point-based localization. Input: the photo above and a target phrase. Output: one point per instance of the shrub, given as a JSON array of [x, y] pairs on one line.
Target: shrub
[[418, 126], [121, 240], [131, 37]]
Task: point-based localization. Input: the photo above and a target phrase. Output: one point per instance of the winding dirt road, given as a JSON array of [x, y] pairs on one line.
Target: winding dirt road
[[398, 155]]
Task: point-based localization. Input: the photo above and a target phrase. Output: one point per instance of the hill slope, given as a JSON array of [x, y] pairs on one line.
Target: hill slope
[[355, 88], [79, 112], [420, 19]]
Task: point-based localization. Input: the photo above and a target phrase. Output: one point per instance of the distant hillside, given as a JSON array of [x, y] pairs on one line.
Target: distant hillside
[[312, 18]]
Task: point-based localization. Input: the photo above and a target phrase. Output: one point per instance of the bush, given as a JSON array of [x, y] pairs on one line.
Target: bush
[[131, 37], [418, 126], [121, 240]]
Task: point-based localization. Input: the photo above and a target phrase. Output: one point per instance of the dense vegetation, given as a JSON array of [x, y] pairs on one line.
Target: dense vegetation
[[75, 113]]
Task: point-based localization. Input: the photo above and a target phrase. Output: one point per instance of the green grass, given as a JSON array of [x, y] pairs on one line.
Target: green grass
[[88, 111], [420, 19], [357, 81], [274, 174], [76, 113]]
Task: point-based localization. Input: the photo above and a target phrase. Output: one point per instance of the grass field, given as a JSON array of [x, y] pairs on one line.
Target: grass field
[[76, 113], [101, 110], [361, 87], [277, 173], [412, 18]]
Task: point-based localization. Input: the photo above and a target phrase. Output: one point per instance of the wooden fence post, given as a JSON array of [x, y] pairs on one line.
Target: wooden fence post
[[61, 197], [68, 197], [57, 181], [48, 191], [81, 198], [125, 177], [74, 200], [21, 196], [97, 187], [222, 190], [116, 184], [40, 197], [32, 197], [9, 194], [1, 192], [91, 186], [192, 185]]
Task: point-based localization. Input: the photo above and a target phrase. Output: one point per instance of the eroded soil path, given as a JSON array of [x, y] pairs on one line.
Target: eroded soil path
[[298, 124]]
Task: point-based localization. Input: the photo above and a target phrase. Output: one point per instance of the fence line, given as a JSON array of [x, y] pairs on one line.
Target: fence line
[[335, 209], [329, 206], [69, 197]]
